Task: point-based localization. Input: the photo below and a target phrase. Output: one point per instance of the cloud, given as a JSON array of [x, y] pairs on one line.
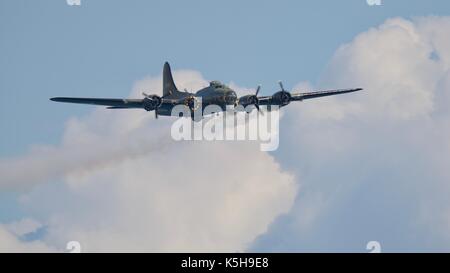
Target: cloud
[[373, 165], [120, 183]]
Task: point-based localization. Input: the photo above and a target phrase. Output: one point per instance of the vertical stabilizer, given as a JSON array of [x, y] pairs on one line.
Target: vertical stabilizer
[[169, 86]]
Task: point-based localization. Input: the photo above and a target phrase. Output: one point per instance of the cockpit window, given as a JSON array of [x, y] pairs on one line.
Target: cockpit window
[[217, 84]]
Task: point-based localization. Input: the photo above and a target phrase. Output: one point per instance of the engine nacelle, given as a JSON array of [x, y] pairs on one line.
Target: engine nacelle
[[152, 102], [281, 98], [248, 100]]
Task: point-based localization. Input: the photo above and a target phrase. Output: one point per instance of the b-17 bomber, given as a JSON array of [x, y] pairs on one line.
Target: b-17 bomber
[[216, 93]]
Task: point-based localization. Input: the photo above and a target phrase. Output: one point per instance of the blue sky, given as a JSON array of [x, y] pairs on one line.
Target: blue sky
[[102, 48]]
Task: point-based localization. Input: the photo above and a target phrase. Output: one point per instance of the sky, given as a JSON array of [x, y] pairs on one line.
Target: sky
[[349, 170]]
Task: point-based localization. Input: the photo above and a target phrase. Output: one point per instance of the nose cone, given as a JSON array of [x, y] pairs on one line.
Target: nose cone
[[231, 97]]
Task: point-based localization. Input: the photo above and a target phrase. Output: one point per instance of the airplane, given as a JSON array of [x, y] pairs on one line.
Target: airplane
[[216, 93]]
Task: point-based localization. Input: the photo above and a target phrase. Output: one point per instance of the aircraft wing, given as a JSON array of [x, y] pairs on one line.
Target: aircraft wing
[[265, 100], [319, 94], [269, 100], [112, 103]]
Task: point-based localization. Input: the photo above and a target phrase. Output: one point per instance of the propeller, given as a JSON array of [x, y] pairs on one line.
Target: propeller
[[283, 97], [251, 99], [257, 89], [152, 102], [256, 102], [281, 85]]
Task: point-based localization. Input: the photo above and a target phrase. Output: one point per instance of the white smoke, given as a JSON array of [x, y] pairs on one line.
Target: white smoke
[[125, 185]]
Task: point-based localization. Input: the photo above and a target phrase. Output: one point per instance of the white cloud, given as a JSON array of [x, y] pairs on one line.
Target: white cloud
[[394, 64], [374, 164], [127, 186]]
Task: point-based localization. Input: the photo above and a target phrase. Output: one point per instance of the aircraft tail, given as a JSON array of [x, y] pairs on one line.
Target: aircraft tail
[[169, 86]]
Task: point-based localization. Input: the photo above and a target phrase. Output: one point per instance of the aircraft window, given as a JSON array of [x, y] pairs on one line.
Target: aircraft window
[[216, 84]]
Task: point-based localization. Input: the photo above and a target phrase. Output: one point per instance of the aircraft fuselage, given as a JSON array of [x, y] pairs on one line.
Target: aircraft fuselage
[[220, 96]]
